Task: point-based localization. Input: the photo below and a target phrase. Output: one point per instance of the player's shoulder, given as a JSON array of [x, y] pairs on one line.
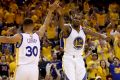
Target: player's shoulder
[[18, 36]]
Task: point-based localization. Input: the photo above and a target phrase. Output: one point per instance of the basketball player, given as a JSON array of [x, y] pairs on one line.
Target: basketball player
[[28, 47], [74, 43]]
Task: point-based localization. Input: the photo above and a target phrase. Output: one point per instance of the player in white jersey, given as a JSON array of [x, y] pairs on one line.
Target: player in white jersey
[[28, 47], [74, 43]]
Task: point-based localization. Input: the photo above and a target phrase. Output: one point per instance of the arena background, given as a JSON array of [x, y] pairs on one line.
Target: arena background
[[101, 16]]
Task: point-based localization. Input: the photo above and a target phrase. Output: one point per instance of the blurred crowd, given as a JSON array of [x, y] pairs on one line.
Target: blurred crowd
[[102, 57]]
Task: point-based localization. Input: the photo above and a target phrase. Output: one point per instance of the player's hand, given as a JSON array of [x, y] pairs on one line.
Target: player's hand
[[60, 10], [53, 6]]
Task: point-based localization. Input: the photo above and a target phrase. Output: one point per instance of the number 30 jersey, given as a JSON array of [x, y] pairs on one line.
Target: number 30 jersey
[[74, 44], [28, 50]]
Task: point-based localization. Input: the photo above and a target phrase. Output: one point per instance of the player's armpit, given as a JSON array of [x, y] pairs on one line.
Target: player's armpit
[[11, 39]]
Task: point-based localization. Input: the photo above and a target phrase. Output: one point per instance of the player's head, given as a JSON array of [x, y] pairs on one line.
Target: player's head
[[28, 25], [76, 20]]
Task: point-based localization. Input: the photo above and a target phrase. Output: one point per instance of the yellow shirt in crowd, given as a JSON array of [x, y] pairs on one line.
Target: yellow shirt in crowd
[[51, 32], [86, 7], [114, 16], [12, 66], [92, 69], [46, 51], [13, 7], [9, 17], [102, 72], [101, 19], [19, 18], [116, 47], [105, 51]]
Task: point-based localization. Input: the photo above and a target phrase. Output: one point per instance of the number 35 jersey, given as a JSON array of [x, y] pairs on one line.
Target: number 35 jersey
[[28, 50], [74, 44]]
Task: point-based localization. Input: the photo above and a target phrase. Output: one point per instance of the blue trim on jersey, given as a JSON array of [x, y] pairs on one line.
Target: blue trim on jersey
[[85, 77], [62, 43], [19, 44]]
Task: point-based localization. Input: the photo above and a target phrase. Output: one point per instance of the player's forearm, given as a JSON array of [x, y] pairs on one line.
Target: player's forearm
[[94, 34], [61, 21], [5, 39], [42, 30], [48, 18]]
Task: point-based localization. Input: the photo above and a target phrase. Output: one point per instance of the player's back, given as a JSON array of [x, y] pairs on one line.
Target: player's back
[[28, 50]]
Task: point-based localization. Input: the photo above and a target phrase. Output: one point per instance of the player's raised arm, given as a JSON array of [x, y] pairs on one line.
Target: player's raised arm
[[10, 39], [42, 30], [94, 34], [64, 27]]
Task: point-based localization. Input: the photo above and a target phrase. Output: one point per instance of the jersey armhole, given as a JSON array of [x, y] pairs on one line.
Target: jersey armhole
[[18, 44], [68, 33], [81, 28], [38, 36]]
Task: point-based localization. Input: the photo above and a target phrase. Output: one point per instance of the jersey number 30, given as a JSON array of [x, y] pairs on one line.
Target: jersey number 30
[[31, 51]]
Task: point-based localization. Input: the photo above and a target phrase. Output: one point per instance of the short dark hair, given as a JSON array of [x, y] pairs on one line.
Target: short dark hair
[[27, 21]]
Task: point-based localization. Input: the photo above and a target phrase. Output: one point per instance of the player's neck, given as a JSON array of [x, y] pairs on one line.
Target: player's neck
[[29, 32], [77, 28]]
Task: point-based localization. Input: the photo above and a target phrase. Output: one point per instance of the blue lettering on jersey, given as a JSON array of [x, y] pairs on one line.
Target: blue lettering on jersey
[[31, 51]]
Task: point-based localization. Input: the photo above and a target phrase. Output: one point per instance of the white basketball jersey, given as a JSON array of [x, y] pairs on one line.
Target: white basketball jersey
[[74, 44], [28, 51]]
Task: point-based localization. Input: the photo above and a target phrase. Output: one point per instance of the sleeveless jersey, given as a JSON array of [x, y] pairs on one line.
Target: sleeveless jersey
[[28, 51], [74, 44]]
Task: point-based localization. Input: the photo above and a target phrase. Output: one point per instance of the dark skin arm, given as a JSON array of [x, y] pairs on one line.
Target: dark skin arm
[[95, 34], [64, 28]]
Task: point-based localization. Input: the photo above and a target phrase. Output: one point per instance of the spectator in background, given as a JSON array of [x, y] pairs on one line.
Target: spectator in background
[[4, 67], [115, 69], [19, 16], [9, 18], [117, 43], [109, 77], [92, 66], [103, 70], [101, 20], [51, 32], [46, 50], [1, 18], [8, 55]]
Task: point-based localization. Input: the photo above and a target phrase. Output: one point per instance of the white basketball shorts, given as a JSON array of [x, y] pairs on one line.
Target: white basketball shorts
[[27, 72], [74, 67]]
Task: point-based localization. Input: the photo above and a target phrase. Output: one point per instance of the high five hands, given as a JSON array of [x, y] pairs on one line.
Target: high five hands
[[54, 6]]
